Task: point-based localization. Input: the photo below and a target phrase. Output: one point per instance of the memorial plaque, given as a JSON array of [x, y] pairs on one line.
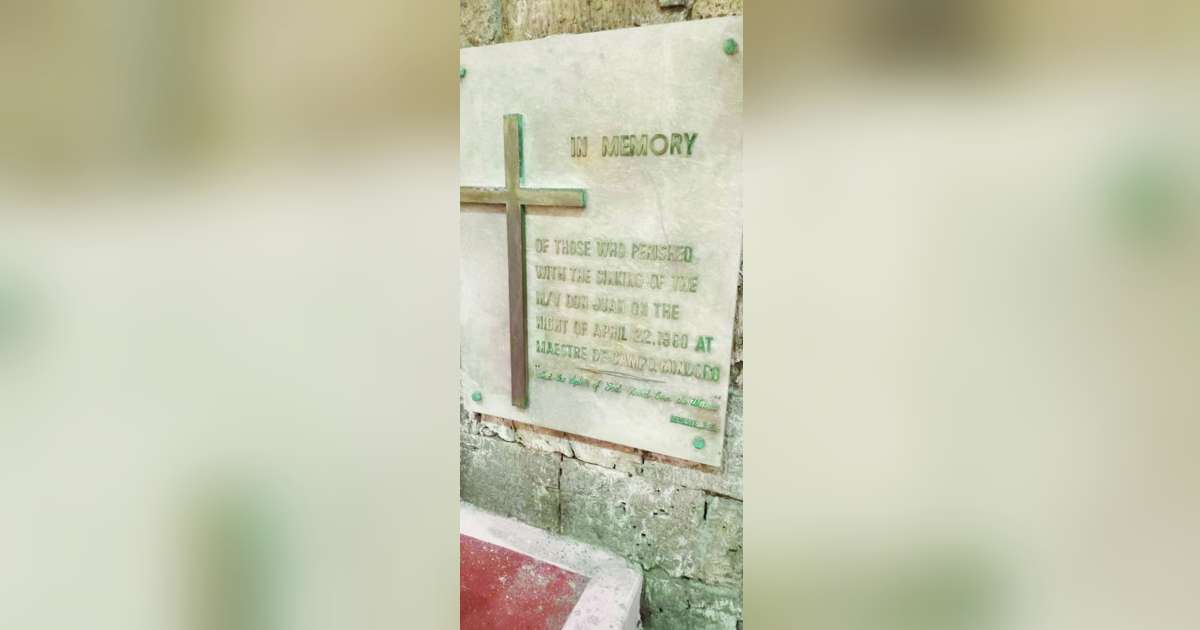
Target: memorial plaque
[[601, 232]]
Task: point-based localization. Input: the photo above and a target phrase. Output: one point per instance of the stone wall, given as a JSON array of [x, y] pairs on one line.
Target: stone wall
[[681, 522], [485, 22]]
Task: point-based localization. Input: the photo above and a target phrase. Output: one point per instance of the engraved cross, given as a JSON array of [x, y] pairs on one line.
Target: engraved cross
[[515, 199]]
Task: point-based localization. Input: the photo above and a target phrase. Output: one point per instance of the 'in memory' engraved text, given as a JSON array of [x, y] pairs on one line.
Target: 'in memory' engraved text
[[634, 145]]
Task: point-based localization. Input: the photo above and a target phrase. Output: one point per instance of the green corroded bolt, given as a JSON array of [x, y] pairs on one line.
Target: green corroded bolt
[[477, 396], [462, 72], [730, 48], [698, 443]]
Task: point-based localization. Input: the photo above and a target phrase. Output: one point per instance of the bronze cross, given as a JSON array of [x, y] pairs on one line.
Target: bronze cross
[[515, 198]]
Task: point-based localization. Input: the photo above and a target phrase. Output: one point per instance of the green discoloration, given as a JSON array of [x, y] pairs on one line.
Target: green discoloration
[[510, 480], [654, 526], [719, 543], [731, 46], [236, 563], [462, 72], [698, 443], [477, 396], [1146, 197], [520, 150], [669, 602]]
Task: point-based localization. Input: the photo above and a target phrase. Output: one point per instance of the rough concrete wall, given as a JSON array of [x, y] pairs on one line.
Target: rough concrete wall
[[493, 21], [681, 522], [530, 19], [478, 22], [715, 8]]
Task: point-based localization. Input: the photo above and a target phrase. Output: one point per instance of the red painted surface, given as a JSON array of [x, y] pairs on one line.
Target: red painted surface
[[501, 589]]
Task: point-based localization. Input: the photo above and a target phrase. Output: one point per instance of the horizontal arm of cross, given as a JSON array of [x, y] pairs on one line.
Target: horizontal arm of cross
[[558, 197]]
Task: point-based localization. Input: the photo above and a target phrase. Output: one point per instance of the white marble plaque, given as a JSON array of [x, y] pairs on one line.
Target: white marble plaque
[[630, 300]]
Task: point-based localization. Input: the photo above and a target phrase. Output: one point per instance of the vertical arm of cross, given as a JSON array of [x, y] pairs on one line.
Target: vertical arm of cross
[[515, 211], [515, 199]]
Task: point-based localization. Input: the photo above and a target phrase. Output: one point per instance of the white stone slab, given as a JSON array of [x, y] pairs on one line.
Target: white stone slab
[[670, 79]]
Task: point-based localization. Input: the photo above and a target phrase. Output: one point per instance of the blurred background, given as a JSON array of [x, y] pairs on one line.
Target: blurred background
[[228, 339], [972, 288]]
